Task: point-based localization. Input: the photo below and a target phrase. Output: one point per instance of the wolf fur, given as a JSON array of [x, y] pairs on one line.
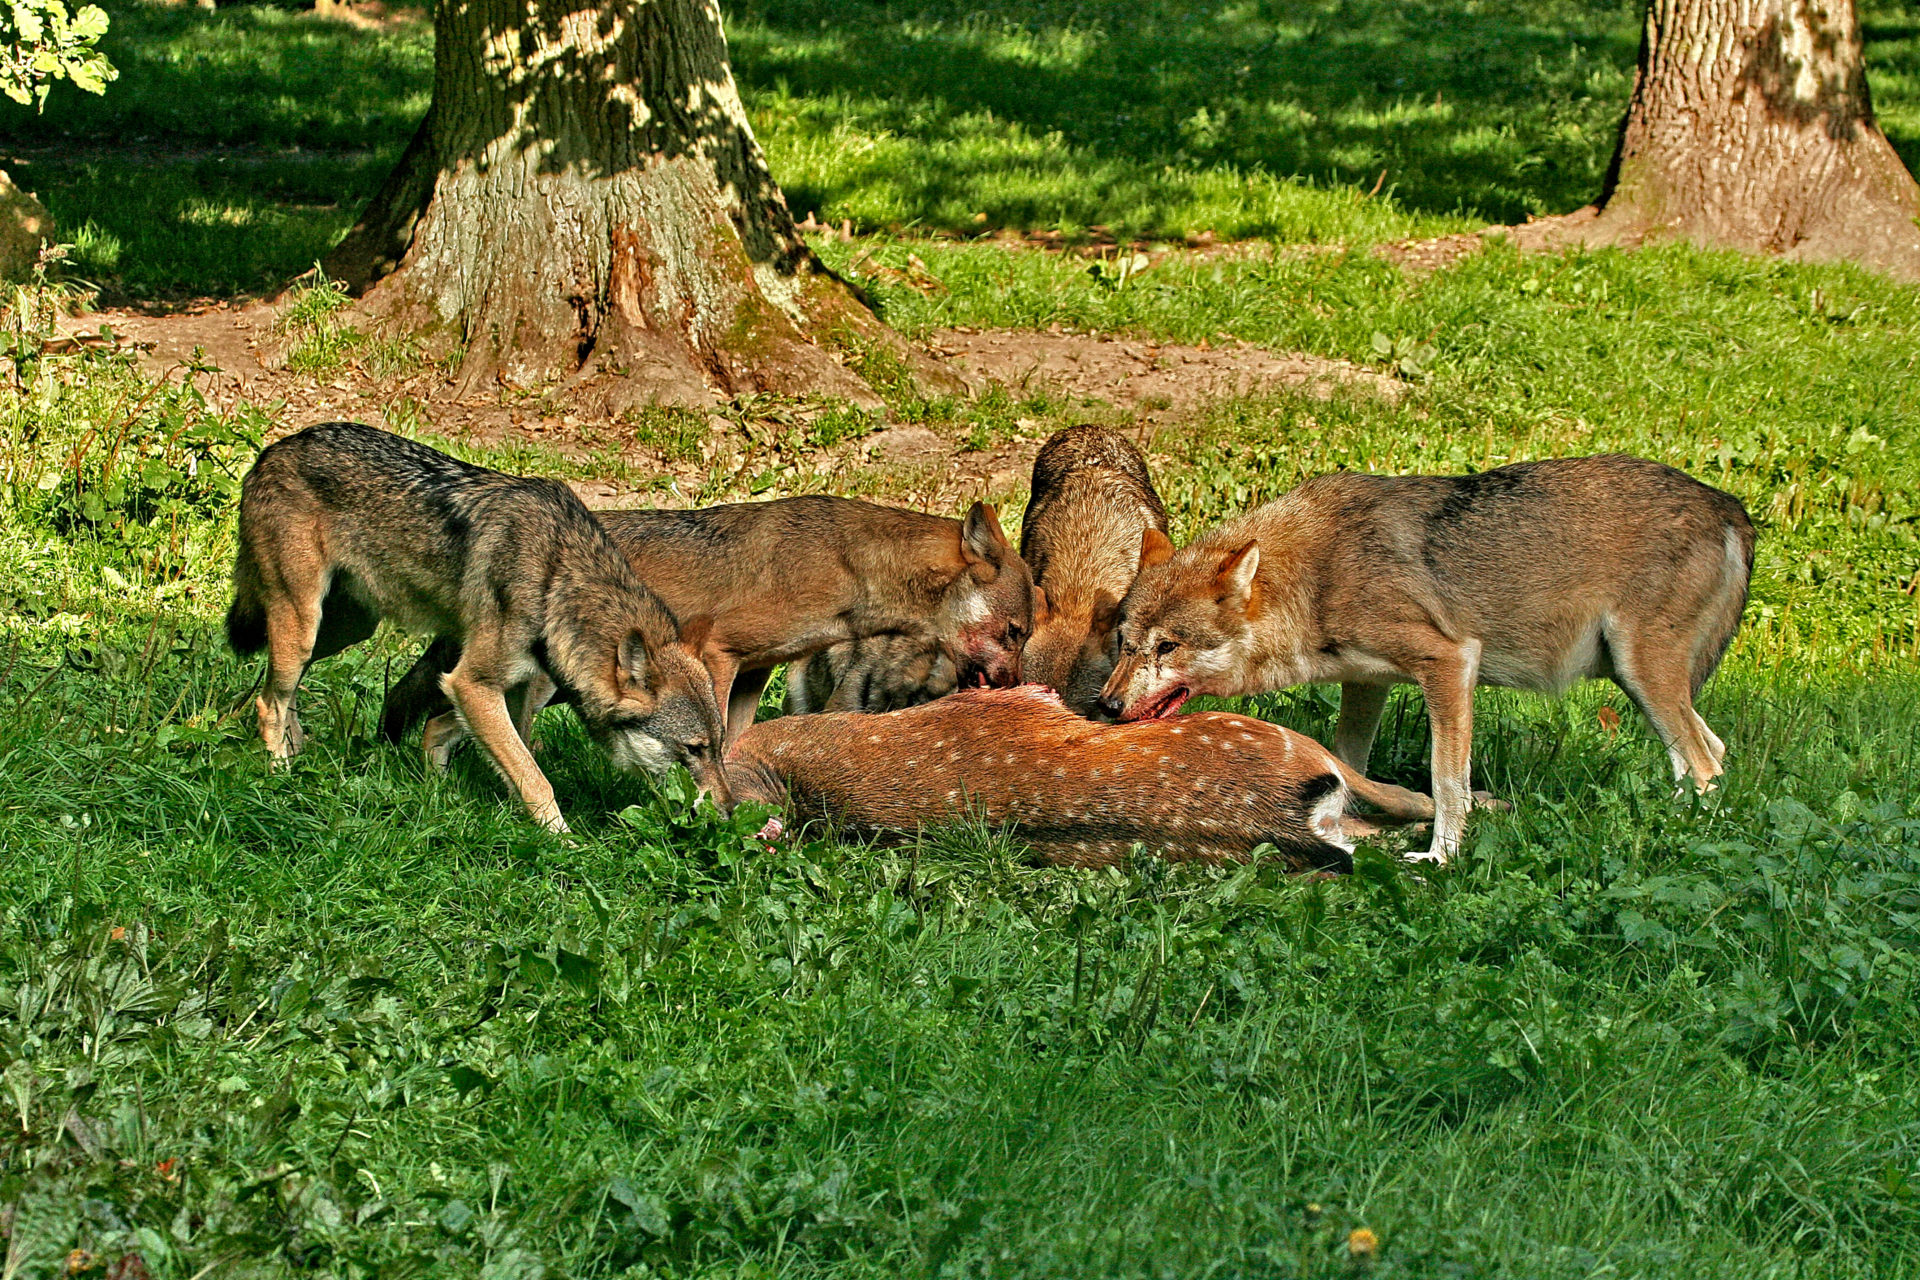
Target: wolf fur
[[342, 525], [887, 672], [776, 581], [1092, 501], [1529, 576]]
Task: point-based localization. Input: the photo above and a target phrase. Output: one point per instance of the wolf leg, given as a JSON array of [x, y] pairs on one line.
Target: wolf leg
[[743, 701], [482, 708], [1656, 677], [1447, 680], [1361, 706], [438, 740], [293, 624], [536, 693]]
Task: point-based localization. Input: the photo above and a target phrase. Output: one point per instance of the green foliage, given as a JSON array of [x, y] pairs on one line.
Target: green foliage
[[1305, 121], [42, 42], [366, 1021], [320, 342], [350, 1019]]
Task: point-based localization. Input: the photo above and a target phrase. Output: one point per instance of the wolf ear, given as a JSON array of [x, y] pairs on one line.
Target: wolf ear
[[981, 540], [1234, 581], [636, 664], [1041, 607], [1155, 549]]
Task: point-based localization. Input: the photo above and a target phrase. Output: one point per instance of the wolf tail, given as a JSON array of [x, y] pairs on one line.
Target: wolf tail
[[416, 696], [247, 615]]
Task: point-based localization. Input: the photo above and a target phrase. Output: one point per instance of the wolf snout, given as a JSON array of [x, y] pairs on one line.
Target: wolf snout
[[1110, 706]]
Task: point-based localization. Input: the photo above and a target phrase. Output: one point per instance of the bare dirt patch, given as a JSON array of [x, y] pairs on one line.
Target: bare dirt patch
[[1152, 380], [240, 352]]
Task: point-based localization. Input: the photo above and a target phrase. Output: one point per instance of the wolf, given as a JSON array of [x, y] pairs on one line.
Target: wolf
[[342, 525], [1091, 503], [885, 672], [771, 582], [1091, 500], [1529, 576], [1210, 787]]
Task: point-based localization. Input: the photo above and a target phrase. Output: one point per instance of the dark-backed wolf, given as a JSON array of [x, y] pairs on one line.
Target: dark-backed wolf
[[1092, 502], [342, 525], [887, 672], [775, 581], [1529, 576]]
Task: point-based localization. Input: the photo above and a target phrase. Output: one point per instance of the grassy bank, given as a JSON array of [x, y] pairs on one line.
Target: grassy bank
[[239, 143], [357, 1020], [353, 1020]]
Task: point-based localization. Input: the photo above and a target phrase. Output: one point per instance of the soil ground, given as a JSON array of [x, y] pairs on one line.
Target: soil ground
[[1153, 385]]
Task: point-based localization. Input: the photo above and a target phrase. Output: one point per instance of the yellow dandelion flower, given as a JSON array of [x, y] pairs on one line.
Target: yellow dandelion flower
[[1362, 1244]]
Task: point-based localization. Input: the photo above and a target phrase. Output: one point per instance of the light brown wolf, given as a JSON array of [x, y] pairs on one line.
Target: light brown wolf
[[774, 581], [1529, 576], [1091, 504], [342, 525], [1211, 787]]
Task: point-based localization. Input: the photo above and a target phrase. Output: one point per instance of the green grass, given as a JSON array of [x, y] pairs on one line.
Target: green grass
[[238, 144], [360, 1021], [352, 1020]]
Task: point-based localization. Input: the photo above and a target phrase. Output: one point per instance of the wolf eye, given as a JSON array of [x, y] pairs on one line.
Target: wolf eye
[[1165, 648], [697, 749]]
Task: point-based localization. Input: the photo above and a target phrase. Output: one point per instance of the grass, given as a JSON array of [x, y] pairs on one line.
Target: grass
[[353, 1020], [239, 143]]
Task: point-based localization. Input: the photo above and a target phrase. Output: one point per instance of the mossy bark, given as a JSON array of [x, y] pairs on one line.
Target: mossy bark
[[1751, 127], [585, 201]]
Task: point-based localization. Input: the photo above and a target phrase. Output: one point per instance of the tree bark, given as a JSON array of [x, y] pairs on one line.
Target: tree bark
[[585, 200], [1751, 127]]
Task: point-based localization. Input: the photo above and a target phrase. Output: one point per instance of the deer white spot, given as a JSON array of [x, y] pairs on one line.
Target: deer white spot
[[873, 737], [1177, 729], [1060, 772], [1206, 738]]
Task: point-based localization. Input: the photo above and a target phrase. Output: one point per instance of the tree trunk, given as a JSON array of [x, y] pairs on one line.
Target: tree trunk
[[1750, 127], [586, 201]]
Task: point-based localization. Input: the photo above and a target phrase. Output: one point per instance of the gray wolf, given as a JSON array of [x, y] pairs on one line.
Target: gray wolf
[[1529, 576], [342, 525], [772, 582], [1092, 502]]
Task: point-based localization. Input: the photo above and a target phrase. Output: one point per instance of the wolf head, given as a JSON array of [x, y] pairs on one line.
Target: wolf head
[[656, 708], [986, 614], [1185, 628], [1072, 650]]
